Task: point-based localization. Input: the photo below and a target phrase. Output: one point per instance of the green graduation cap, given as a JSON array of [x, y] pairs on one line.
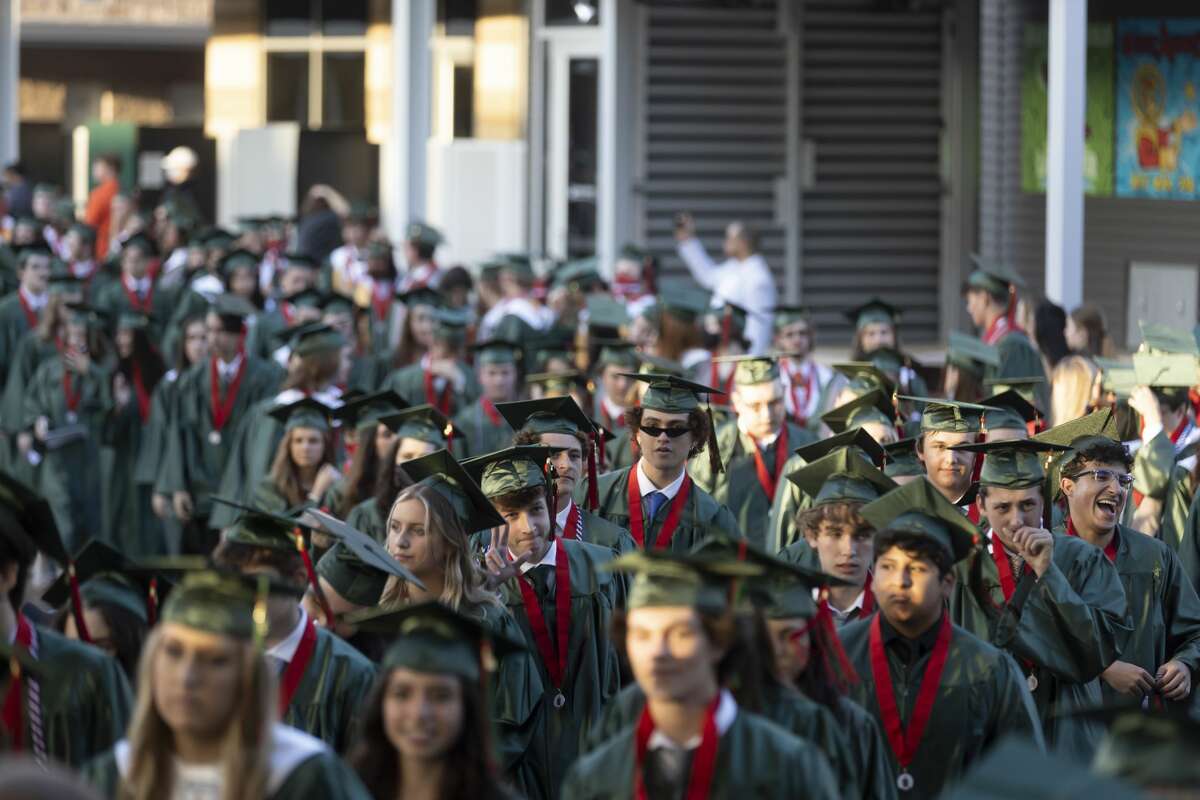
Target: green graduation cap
[[27, 521], [662, 578], [451, 324], [84, 231], [902, 461], [260, 528], [1010, 409], [104, 576], [580, 275], [232, 311], [334, 303], [670, 394], [215, 238], [89, 315], [63, 280], [353, 579], [1116, 376], [751, 370], [305, 298], [1026, 386], [604, 311], [434, 639], [1015, 767], [865, 376], [616, 353], [971, 353], [1098, 423], [360, 564], [424, 423], [1166, 370], [1151, 749], [304, 413], [992, 276], [954, 416], [216, 602], [310, 338], [1165, 339], [651, 364], [302, 260], [422, 296], [443, 474], [683, 299], [423, 233], [140, 242], [920, 509], [555, 384], [852, 437], [786, 315], [365, 412], [38, 248], [842, 476], [732, 314], [1012, 463], [510, 470], [238, 258], [498, 351], [873, 311], [133, 320], [874, 406], [548, 415]]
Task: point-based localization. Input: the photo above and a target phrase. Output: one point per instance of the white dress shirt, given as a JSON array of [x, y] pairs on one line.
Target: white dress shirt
[[228, 371], [549, 557], [646, 487], [285, 651], [727, 709], [747, 283], [839, 616]]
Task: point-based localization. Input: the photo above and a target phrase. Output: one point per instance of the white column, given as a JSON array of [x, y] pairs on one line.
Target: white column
[[615, 167], [10, 78], [1064, 152], [403, 153]]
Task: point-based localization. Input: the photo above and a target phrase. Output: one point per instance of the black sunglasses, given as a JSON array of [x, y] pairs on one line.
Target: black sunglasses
[[672, 432]]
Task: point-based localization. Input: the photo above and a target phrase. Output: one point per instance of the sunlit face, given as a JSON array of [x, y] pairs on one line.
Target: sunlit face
[[642, 333], [908, 589], [98, 630], [339, 605], [663, 452], [411, 448], [385, 437], [422, 323], [671, 655], [528, 528], [616, 385], [411, 542], [948, 470], [796, 338], [875, 335], [1076, 335], [760, 408], [77, 338], [844, 550], [123, 339], [423, 713], [791, 645], [1009, 510], [195, 678], [354, 233], [1096, 505], [568, 461], [499, 381], [307, 447]]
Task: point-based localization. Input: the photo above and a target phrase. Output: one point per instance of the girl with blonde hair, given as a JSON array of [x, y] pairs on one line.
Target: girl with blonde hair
[[1071, 389]]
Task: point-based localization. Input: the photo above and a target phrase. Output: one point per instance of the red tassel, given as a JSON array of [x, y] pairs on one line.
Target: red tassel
[[837, 663], [312, 580], [77, 604], [152, 601], [1011, 310], [593, 494]]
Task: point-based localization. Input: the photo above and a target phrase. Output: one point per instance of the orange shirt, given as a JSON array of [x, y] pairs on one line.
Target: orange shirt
[[98, 213]]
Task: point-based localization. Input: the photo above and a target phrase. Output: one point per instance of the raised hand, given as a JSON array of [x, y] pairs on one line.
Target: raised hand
[[499, 562], [1036, 546]]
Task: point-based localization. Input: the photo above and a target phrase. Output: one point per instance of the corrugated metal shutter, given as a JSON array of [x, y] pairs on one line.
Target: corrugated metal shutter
[[715, 125], [872, 217]]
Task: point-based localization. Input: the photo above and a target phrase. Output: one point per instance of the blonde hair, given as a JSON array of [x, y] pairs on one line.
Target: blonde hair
[[464, 586], [1070, 389], [246, 747]]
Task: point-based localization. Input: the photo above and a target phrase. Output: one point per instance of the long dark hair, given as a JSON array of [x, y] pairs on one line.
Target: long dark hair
[[127, 630], [362, 477], [147, 359], [390, 480], [469, 774]]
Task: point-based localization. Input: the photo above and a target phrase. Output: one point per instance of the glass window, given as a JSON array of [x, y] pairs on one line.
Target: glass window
[[344, 17], [288, 18], [457, 17], [572, 12], [464, 102], [287, 87], [583, 151], [342, 91]]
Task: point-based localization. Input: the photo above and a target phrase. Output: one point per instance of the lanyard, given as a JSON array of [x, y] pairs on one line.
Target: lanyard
[[31, 316], [297, 666], [799, 407], [442, 404], [137, 303], [703, 766], [222, 407], [1008, 583], [555, 666], [143, 396], [574, 527], [637, 527], [489, 409], [72, 395], [767, 480]]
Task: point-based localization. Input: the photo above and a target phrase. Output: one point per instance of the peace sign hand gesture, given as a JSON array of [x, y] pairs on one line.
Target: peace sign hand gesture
[[500, 564]]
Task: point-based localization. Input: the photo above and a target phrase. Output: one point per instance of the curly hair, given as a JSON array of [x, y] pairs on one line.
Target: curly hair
[[524, 437], [809, 521], [1100, 451], [698, 422]]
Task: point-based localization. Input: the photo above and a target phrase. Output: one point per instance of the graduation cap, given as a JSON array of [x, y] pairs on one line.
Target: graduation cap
[[232, 311], [556, 384], [751, 370], [735, 560], [673, 395], [360, 564], [683, 300], [258, 527], [651, 364], [662, 578], [83, 231], [366, 411], [304, 413], [1012, 463], [902, 461], [89, 315], [219, 602], [1149, 748], [139, 241], [252, 223], [103, 577], [424, 423], [844, 475], [1010, 409], [443, 474], [498, 351], [309, 338], [1015, 767], [920, 509], [605, 311], [993, 277], [548, 415], [1116, 376], [450, 323], [433, 639], [305, 298], [302, 260], [874, 406], [731, 318], [510, 470], [616, 353], [865, 376], [423, 233], [1166, 370], [873, 311], [1026, 385], [786, 315], [1100, 423], [954, 416], [1165, 339], [581, 275], [215, 238], [851, 437], [238, 258], [971, 353], [38, 248], [335, 303]]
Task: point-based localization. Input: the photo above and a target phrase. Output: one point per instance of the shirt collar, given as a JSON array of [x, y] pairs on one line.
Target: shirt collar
[[765, 441], [137, 285], [286, 650], [35, 301], [550, 557], [838, 614], [727, 709], [912, 648], [614, 411], [230, 368], [563, 515], [646, 487]]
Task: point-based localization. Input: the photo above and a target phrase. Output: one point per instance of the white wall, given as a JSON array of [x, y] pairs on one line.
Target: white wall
[[476, 195]]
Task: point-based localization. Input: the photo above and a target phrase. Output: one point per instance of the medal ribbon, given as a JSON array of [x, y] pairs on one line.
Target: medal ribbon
[[800, 406], [1007, 582], [139, 388], [12, 700], [638, 528], [489, 409], [1110, 549], [31, 317], [382, 305], [441, 404], [703, 765], [769, 481], [905, 739], [556, 667], [222, 408], [574, 527], [143, 306], [72, 397], [294, 671]]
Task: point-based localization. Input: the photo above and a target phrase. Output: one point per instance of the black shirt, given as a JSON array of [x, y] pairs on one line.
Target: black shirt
[[909, 650]]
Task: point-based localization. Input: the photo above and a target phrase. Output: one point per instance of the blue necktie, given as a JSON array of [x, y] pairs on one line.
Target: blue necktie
[[654, 502]]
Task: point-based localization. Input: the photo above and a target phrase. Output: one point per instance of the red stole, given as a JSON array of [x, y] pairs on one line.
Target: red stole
[[703, 765]]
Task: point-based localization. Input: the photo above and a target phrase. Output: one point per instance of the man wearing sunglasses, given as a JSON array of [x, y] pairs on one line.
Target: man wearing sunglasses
[[1160, 654], [655, 499]]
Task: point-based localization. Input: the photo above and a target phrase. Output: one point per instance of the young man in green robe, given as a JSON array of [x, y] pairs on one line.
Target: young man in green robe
[[78, 701], [991, 295], [691, 737], [322, 679], [559, 424], [1052, 602], [614, 362], [668, 510], [755, 446], [945, 424], [1160, 653], [558, 592], [135, 290], [212, 399], [942, 695], [297, 276], [440, 377], [498, 370], [21, 310]]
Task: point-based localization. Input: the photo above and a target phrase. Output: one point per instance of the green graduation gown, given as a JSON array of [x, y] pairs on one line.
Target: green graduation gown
[[619, 453], [300, 768], [982, 698], [702, 515], [409, 383], [263, 337], [30, 352], [13, 327], [1189, 544], [481, 434], [598, 530], [150, 467], [592, 674], [1020, 359], [738, 487], [1176, 504], [113, 299], [129, 522], [1063, 634], [367, 518], [85, 699], [755, 758]]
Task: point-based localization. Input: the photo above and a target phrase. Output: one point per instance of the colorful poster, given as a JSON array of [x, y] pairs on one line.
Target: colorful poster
[[1098, 113], [1158, 71]]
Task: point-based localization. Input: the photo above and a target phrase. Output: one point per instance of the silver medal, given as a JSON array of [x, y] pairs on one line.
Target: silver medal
[[1032, 682], [905, 782], [560, 700], [214, 438], [72, 417]]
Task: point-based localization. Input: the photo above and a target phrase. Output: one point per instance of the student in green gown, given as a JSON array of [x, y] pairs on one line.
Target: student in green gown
[[213, 397], [348, 585], [613, 363], [755, 446], [1051, 601], [1161, 652], [672, 512], [873, 411], [991, 296], [877, 340], [941, 695], [559, 424], [21, 310], [806, 382], [81, 702], [297, 274], [67, 404], [440, 377], [691, 737], [205, 721], [425, 730], [498, 369], [561, 599], [372, 439], [134, 290], [944, 425], [322, 680], [302, 470], [1155, 751], [621, 452]]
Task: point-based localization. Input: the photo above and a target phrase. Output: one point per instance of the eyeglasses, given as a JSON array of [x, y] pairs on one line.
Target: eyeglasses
[[1105, 476], [672, 432]]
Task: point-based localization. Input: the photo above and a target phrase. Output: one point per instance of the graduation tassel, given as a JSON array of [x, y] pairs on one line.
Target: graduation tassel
[[152, 602], [837, 663], [312, 579], [77, 603], [449, 434], [593, 493], [259, 614], [1011, 311]]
